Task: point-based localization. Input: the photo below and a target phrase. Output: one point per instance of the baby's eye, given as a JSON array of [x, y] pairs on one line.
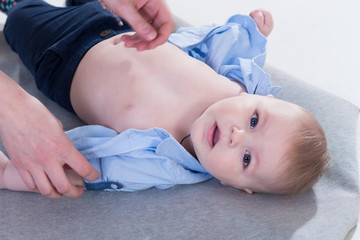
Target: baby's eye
[[246, 159], [254, 120]]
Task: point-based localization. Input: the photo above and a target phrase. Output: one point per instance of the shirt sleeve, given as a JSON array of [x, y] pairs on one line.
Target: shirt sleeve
[[236, 50], [130, 161]]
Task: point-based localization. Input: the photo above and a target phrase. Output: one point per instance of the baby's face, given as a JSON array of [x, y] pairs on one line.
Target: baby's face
[[243, 140]]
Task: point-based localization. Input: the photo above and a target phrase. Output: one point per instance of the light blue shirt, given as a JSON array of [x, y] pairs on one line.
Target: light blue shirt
[[236, 50], [136, 159], [140, 159]]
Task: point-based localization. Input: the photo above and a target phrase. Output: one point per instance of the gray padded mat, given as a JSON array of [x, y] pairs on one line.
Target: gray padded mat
[[202, 211]]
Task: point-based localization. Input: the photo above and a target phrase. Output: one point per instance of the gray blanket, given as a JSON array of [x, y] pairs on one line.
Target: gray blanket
[[202, 211]]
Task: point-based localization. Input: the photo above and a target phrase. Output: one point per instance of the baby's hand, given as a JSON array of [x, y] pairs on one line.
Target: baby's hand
[[263, 20]]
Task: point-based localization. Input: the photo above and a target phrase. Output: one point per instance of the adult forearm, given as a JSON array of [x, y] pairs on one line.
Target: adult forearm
[[12, 99]]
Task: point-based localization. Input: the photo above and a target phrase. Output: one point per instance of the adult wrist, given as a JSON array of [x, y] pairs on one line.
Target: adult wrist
[[12, 99]]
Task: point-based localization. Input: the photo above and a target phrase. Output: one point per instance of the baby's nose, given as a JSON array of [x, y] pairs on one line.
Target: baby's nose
[[237, 136]]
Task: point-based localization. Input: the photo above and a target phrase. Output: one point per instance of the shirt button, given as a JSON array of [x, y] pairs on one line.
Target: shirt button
[[105, 33]]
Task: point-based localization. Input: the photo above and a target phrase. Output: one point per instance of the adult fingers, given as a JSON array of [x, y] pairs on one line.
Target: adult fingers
[[161, 20], [44, 186], [27, 178], [81, 166], [131, 15], [164, 31], [62, 184], [135, 41]]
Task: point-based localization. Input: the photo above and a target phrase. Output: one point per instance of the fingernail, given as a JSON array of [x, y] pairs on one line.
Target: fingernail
[[149, 34]]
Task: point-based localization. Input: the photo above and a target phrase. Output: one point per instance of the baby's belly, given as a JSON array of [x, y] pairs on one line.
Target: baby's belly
[[122, 88]]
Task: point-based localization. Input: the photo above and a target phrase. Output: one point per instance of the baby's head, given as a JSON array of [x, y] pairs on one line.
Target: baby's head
[[261, 144]]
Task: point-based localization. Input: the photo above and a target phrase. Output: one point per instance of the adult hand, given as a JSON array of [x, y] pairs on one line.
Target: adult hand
[[151, 20], [36, 143]]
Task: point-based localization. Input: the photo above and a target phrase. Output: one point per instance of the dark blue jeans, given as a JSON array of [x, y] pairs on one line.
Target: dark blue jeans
[[51, 41]]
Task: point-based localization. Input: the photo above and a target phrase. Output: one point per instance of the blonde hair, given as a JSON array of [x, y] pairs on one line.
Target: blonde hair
[[307, 159]]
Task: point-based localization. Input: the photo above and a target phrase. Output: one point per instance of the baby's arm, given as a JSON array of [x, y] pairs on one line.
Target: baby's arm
[[10, 177]]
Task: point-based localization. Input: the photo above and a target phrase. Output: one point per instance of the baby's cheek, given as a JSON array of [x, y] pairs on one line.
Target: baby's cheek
[[218, 166]]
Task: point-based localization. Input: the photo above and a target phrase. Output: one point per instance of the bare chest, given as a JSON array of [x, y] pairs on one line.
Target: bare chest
[[122, 88]]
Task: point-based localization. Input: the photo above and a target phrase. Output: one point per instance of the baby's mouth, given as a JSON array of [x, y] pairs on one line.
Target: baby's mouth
[[216, 135], [213, 135]]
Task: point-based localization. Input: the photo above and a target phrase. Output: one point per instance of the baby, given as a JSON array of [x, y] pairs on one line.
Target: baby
[[251, 142]]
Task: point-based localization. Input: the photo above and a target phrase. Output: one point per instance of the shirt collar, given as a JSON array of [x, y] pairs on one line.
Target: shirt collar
[[172, 149]]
